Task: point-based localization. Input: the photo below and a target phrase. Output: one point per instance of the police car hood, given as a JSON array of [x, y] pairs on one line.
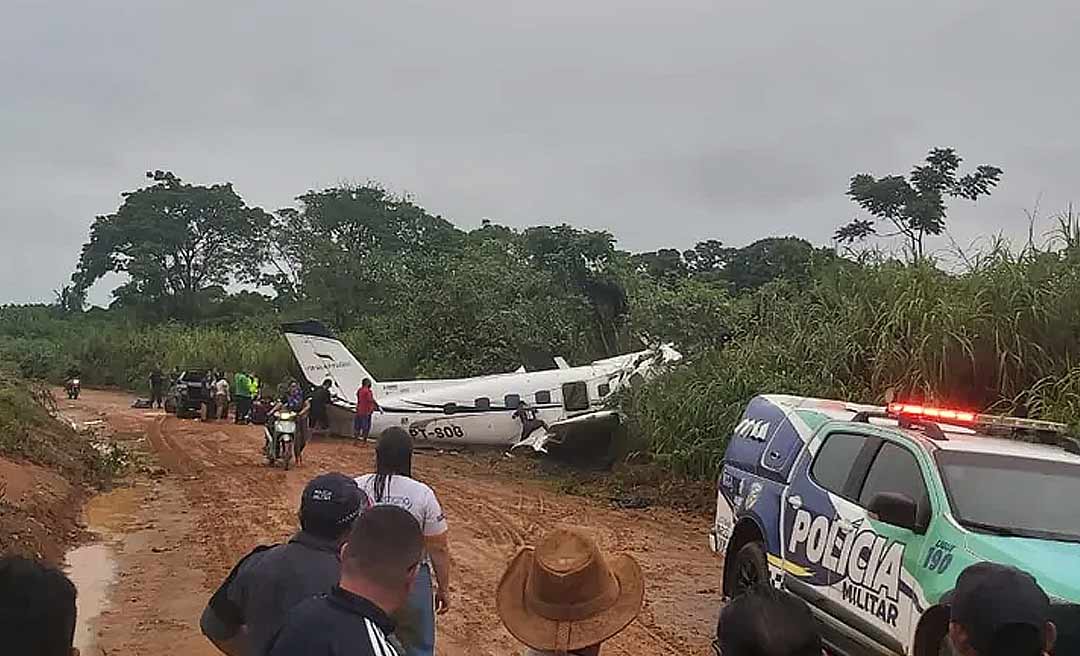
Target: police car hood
[[1051, 562]]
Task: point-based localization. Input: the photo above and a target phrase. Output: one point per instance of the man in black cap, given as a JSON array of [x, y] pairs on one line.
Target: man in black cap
[[996, 610], [250, 606], [380, 562]]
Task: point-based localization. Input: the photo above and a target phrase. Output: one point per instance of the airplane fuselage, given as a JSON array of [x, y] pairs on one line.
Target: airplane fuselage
[[480, 410]]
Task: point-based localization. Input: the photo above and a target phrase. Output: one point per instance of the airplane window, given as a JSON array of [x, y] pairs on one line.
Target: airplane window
[[575, 395], [512, 400], [543, 396], [603, 390], [450, 408], [482, 403]]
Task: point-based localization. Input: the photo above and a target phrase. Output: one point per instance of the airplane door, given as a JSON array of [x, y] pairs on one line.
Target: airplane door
[[812, 530], [575, 396]]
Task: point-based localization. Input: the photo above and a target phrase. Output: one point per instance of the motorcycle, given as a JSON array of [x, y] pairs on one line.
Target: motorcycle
[[73, 387], [280, 434]]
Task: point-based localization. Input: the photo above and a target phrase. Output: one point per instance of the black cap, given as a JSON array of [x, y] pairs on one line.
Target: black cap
[[330, 503], [989, 596]]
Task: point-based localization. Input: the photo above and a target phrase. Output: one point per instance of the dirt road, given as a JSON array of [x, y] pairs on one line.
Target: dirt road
[[207, 499]]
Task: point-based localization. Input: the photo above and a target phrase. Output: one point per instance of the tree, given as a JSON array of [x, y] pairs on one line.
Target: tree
[[662, 264], [707, 257], [70, 299], [486, 308], [581, 261], [915, 205], [284, 257], [770, 259], [174, 240], [352, 251]]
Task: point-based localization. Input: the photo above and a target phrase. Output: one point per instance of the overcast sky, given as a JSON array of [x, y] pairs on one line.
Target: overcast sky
[[665, 122]]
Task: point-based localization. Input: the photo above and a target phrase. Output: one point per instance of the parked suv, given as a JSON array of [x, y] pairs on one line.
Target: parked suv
[[869, 514], [190, 392]]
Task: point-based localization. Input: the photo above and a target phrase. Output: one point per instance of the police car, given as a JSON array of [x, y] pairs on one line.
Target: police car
[[870, 513]]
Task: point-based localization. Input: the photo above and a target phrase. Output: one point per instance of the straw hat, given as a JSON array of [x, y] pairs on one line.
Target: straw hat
[[563, 595]]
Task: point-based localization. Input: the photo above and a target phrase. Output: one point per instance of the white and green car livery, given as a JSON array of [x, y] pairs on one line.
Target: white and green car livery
[[869, 514]]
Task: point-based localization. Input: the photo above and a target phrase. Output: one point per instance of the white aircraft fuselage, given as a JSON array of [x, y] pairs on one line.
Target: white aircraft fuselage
[[479, 410]]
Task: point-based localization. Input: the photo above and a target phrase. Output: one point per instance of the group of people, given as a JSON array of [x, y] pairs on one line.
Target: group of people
[[367, 573], [251, 402], [220, 394], [242, 394], [370, 569], [245, 388], [356, 580]]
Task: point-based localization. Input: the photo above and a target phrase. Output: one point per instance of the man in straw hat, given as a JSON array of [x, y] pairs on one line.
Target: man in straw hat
[[564, 597]]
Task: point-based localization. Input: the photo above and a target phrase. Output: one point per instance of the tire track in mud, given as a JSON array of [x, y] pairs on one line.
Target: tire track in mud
[[233, 502], [503, 516]]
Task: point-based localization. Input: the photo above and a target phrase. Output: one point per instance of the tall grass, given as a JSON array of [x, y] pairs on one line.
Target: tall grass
[[40, 345], [1004, 334]]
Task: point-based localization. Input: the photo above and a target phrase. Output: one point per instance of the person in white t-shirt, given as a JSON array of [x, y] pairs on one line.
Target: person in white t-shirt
[[221, 397], [393, 484]]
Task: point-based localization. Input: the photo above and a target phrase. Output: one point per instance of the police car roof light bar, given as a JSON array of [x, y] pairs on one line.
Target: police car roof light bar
[[946, 415], [1047, 432]]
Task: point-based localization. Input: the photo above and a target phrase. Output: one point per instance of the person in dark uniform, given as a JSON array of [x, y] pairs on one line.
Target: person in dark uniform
[[379, 564], [211, 401], [320, 401], [251, 604], [157, 382]]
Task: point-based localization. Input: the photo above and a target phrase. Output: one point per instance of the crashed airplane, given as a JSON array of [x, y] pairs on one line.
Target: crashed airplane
[[478, 411]]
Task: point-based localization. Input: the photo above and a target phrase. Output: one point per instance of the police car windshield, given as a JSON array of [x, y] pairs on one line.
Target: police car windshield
[[1014, 496]]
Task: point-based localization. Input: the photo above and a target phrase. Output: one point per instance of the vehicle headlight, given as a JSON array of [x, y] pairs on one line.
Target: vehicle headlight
[[286, 416], [75, 381]]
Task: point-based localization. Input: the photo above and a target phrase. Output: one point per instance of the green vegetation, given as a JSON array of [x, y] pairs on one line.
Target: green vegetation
[[915, 206], [28, 431], [1001, 335], [413, 295]]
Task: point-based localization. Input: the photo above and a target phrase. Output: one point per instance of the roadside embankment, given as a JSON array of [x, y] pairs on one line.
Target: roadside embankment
[[47, 471]]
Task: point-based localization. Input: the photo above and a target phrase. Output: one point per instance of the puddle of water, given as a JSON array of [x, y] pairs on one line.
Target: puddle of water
[[92, 569], [108, 513]]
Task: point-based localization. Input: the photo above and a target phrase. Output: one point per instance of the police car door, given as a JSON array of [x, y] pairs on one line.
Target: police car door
[[830, 468], [874, 593]]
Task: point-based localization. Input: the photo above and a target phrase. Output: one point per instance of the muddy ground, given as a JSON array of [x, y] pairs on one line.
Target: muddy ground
[[203, 497]]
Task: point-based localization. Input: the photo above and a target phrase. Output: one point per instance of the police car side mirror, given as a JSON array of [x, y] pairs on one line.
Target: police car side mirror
[[895, 509]]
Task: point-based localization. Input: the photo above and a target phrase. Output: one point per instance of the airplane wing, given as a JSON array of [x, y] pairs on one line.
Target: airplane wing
[[556, 432]]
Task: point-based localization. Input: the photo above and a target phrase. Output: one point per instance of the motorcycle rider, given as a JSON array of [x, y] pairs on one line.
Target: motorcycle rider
[[293, 401], [72, 380]]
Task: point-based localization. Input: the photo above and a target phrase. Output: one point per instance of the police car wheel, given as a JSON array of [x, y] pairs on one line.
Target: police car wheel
[[750, 568]]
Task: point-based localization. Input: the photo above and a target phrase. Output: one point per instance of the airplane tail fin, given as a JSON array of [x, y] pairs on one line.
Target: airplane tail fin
[[322, 356]]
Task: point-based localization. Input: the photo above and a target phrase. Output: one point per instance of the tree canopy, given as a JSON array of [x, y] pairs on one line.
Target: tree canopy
[[175, 241], [915, 205], [434, 299]]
